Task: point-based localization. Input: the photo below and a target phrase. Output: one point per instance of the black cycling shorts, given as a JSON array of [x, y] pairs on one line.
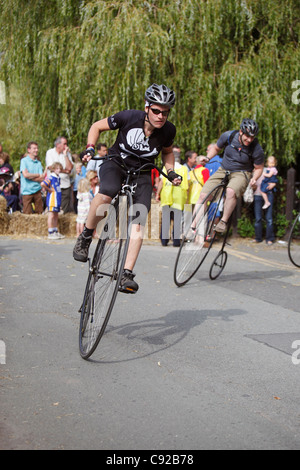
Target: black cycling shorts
[[111, 178]]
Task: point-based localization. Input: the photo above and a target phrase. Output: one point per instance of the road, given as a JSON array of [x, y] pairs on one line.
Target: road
[[212, 365]]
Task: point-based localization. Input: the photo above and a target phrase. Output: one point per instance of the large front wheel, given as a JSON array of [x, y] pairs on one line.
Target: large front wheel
[[199, 237], [104, 275]]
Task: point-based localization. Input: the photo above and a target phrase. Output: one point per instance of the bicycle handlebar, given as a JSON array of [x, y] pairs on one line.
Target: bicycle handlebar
[[152, 165]]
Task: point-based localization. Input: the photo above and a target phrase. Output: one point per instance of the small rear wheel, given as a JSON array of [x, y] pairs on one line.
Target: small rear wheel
[[218, 265]]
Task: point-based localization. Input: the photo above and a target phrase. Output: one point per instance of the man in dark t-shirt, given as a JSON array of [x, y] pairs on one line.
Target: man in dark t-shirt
[[243, 157], [142, 135]]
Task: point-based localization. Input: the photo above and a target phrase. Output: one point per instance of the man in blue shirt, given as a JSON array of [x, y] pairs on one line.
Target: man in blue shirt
[[214, 164], [32, 175]]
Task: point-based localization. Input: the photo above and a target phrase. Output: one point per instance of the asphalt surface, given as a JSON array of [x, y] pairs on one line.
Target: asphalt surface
[[212, 365]]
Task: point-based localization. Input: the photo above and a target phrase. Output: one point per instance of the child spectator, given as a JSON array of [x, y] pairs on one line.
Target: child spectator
[[94, 182], [6, 190], [84, 201], [4, 162], [269, 174], [53, 201], [80, 173]]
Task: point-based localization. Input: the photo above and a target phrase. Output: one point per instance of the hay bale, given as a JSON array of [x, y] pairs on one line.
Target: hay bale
[[3, 204], [67, 224], [4, 217], [31, 225], [35, 225]]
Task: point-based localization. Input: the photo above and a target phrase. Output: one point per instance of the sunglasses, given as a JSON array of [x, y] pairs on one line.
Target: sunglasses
[[158, 111]]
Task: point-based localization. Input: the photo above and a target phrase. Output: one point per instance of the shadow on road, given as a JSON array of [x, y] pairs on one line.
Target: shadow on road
[[144, 338]]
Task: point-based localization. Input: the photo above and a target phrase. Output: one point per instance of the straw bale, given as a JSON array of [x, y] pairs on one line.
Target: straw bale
[[4, 217], [18, 224], [33, 225]]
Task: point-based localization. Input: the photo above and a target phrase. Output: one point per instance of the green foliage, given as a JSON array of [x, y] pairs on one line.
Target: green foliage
[[245, 226], [281, 223], [68, 63]]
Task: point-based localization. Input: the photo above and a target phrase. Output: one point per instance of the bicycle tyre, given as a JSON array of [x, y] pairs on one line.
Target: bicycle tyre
[[218, 265], [104, 275], [193, 251], [294, 243]]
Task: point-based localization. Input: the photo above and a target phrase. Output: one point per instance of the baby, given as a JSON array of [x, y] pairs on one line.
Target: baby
[[269, 174]]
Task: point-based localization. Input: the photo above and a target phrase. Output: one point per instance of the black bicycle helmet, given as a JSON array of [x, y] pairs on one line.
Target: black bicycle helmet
[[249, 127], [160, 94]]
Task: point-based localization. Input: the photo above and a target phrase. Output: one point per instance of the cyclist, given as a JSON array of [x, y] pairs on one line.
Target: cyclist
[[242, 155], [140, 133]]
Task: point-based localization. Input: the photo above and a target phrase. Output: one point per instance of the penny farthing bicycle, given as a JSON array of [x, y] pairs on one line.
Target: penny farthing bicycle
[[107, 264], [197, 243]]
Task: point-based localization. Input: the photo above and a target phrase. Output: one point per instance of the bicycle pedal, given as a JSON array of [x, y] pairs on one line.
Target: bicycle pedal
[[126, 291]]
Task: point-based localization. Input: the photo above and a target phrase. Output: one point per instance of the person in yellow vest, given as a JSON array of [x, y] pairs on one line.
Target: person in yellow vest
[[172, 200], [197, 177]]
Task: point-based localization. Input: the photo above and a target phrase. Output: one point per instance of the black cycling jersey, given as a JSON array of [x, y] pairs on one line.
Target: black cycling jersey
[[239, 157], [131, 137]]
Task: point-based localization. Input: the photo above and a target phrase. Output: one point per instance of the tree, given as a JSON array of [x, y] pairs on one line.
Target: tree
[[70, 62]]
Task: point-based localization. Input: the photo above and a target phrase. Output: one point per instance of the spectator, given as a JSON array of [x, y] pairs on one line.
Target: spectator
[[155, 181], [17, 187], [52, 185], [6, 190], [172, 199], [4, 162], [95, 164], [80, 173], [177, 153], [258, 212], [94, 182], [84, 202], [31, 177], [197, 177], [61, 153], [190, 159], [214, 163], [269, 175]]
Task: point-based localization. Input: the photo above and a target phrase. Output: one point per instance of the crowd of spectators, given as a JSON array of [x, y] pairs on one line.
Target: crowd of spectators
[[178, 202], [25, 188]]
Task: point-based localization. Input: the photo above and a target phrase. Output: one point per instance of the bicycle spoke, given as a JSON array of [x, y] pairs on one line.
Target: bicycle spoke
[[103, 281], [197, 243], [98, 302]]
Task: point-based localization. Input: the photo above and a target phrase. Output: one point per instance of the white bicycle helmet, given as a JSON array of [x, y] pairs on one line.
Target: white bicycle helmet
[[160, 94]]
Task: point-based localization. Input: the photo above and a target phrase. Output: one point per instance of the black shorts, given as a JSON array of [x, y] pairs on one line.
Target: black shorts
[[111, 179]]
